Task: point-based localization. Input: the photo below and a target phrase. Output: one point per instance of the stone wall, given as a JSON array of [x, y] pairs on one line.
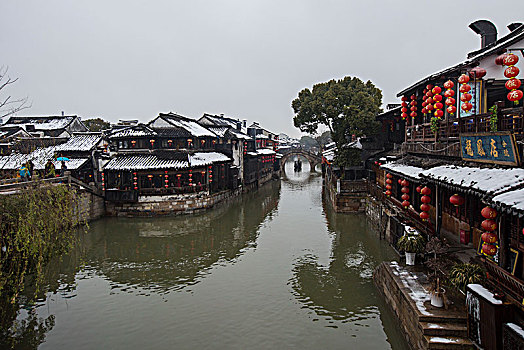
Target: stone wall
[[169, 205], [401, 305], [89, 206], [346, 202]]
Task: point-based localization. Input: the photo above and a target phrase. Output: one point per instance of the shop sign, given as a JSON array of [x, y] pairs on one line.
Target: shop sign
[[490, 147]]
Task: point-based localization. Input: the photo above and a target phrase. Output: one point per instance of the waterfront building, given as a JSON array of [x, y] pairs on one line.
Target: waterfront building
[[461, 175]]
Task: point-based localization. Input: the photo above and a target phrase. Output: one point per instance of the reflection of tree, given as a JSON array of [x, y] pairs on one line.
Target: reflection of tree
[[23, 332], [343, 289]]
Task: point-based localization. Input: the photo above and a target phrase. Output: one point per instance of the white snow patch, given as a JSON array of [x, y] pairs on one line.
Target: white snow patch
[[443, 340], [517, 329], [484, 293]]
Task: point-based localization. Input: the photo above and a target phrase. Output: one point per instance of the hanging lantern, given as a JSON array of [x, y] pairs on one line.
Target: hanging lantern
[[429, 87], [424, 216], [424, 207], [477, 73], [388, 193], [399, 181], [418, 189], [513, 83], [514, 96], [405, 204], [425, 191], [388, 187], [465, 88], [404, 98], [389, 181], [499, 61], [389, 176], [510, 59], [451, 110], [438, 105], [405, 183], [489, 249], [450, 101], [466, 97], [488, 213], [489, 225], [489, 237], [405, 197], [511, 72], [456, 200], [463, 79], [466, 107], [405, 190], [425, 199]]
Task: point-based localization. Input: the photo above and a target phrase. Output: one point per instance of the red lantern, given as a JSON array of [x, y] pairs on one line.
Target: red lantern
[[465, 88], [424, 110], [463, 79], [404, 104], [437, 98], [515, 96], [500, 59], [449, 93], [477, 73], [405, 183], [404, 115], [513, 84], [424, 216], [399, 181], [405, 196], [449, 84], [404, 110], [511, 72], [405, 190], [425, 199], [489, 225], [418, 189], [430, 100], [467, 106], [389, 176], [438, 113], [456, 200], [388, 187], [405, 204], [389, 181], [510, 59], [388, 193], [424, 207], [436, 90], [489, 249], [429, 86], [451, 109], [425, 191], [450, 101], [466, 97], [413, 114], [488, 213], [404, 98], [489, 237], [429, 107], [413, 97]]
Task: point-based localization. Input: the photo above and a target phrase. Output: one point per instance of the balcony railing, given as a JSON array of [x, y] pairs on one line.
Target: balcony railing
[[449, 130]]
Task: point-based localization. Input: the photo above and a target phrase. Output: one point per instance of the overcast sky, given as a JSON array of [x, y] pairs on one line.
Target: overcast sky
[[248, 59]]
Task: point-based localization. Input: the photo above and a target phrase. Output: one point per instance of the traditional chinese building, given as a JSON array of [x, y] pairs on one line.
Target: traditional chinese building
[[461, 175]]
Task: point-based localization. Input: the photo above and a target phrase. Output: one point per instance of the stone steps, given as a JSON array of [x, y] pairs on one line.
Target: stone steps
[[448, 342], [452, 329]]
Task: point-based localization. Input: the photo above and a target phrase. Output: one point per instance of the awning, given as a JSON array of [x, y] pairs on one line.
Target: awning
[[406, 171]]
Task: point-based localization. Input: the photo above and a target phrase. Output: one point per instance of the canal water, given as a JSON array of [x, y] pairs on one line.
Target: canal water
[[274, 269]]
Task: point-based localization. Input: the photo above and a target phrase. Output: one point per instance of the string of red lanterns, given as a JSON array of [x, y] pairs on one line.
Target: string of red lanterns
[[429, 99], [388, 184], [404, 109], [437, 98], [450, 101], [489, 225], [511, 73], [405, 191], [413, 106], [466, 96], [425, 199]]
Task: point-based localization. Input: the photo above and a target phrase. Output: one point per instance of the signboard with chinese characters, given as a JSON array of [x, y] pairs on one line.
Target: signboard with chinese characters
[[476, 92], [490, 147]]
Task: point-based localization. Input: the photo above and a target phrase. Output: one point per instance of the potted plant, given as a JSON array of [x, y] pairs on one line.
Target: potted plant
[[463, 274], [438, 263], [411, 243]]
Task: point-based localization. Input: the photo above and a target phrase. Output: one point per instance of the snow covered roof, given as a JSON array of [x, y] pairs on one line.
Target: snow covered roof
[[220, 120], [486, 180], [261, 136], [146, 161], [239, 134], [354, 144], [329, 154], [512, 200], [165, 160], [80, 142], [220, 131], [39, 157], [265, 151], [412, 172], [133, 131], [187, 124], [40, 123], [207, 158]]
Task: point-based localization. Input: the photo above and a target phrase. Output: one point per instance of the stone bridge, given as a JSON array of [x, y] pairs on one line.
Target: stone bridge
[[313, 158]]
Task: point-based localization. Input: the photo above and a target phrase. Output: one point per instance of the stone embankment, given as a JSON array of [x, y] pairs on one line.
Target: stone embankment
[[424, 326]]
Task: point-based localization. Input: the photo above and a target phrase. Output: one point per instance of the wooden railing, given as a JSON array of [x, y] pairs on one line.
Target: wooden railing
[[501, 278], [448, 131]]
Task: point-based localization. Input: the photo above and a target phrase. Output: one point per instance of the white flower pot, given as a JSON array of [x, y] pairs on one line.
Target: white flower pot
[[436, 299], [410, 258]]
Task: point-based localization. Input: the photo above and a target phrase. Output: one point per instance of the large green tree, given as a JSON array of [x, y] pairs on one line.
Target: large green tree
[[346, 107]]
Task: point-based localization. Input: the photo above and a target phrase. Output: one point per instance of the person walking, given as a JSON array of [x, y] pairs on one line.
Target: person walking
[[24, 173], [49, 170], [63, 168]]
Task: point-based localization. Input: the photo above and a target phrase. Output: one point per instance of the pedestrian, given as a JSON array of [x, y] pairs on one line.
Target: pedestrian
[[49, 170], [30, 167], [63, 168], [24, 173]]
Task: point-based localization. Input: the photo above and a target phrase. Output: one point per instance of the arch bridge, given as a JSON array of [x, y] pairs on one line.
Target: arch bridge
[[313, 158]]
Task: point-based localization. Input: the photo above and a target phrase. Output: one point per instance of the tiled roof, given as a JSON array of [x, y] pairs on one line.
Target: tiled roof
[[207, 158], [80, 142], [39, 157], [239, 135], [187, 124], [41, 123], [132, 131]]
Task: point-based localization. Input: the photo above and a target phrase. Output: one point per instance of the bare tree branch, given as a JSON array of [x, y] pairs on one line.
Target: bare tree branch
[[9, 106]]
